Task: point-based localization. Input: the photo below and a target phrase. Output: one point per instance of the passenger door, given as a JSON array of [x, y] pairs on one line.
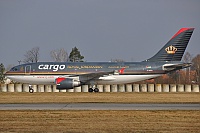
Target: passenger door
[[28, 69]]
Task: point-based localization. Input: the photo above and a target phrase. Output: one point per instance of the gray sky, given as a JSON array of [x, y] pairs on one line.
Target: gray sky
[[132, 30]]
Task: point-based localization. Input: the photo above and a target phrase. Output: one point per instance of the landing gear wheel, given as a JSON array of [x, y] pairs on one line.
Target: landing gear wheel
[[90, 90], [96, 90], [31, 90]]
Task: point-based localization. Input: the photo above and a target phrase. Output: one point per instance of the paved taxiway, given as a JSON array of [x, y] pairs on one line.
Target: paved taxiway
[[99, 106]]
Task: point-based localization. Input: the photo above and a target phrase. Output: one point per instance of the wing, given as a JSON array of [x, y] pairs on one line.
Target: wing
[[98, 75], [92, 76]]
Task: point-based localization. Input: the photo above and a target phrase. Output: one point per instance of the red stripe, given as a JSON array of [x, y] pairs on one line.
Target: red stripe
[[180, 31]]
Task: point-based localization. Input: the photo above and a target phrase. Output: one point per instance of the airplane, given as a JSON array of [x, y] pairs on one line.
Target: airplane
[[67, 75]]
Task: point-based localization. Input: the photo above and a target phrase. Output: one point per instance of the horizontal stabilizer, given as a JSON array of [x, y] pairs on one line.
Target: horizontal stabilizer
[[171, 67]]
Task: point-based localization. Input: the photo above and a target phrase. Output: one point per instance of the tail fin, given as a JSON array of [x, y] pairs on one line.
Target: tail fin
[[175, 47]]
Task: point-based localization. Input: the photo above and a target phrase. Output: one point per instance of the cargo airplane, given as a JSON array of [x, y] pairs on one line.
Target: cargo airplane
[[67, 75]]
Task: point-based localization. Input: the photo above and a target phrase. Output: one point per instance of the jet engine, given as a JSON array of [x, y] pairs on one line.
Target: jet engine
[[66, 83]]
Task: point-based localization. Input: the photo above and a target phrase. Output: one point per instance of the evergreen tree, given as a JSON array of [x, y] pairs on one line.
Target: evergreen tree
[[75, 55], [2, 69]]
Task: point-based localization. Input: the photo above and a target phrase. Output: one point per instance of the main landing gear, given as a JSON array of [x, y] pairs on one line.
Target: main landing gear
[[93, 90], [31, 89]]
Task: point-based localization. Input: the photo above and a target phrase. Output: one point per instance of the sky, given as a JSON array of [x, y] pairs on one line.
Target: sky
[[131, 30]]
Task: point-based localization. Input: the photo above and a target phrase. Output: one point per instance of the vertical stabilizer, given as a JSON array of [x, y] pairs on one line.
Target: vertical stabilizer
[[175, 47]]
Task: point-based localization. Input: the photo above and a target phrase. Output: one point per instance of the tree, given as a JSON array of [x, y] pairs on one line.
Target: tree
[[75, 55], [32, 55], [59, 55], [2, 70], [187, 58], [196, 67]]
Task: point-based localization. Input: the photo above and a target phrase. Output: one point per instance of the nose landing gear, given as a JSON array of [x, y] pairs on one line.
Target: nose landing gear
[[31, 89]]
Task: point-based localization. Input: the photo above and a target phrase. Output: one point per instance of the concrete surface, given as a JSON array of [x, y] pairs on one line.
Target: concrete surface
[[99, 106]]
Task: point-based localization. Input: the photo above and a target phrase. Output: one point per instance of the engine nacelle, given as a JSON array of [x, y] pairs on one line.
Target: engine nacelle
[[66, 83]]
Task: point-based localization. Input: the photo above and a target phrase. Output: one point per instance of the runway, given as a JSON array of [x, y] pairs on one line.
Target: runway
[[99, 106]]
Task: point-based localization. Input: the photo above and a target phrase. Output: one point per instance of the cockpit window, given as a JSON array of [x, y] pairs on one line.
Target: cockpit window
[[14, 69]]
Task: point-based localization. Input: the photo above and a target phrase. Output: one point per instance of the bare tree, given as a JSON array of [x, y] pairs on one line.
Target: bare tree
[[59, 55], [32, 55], [196, 67], [187, 58]]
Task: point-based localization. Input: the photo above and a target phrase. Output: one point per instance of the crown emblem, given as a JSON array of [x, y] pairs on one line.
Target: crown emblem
[[171, 50]]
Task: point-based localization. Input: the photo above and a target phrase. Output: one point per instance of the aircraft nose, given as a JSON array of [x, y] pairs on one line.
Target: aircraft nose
[[8, 76], [7, 73]]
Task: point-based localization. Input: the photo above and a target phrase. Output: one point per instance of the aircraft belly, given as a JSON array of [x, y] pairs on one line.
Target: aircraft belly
[[30, 79], [50, 79], [122, 79]]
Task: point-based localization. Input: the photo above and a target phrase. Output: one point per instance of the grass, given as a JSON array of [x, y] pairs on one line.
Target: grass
[[100, 121], [100, 97]]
